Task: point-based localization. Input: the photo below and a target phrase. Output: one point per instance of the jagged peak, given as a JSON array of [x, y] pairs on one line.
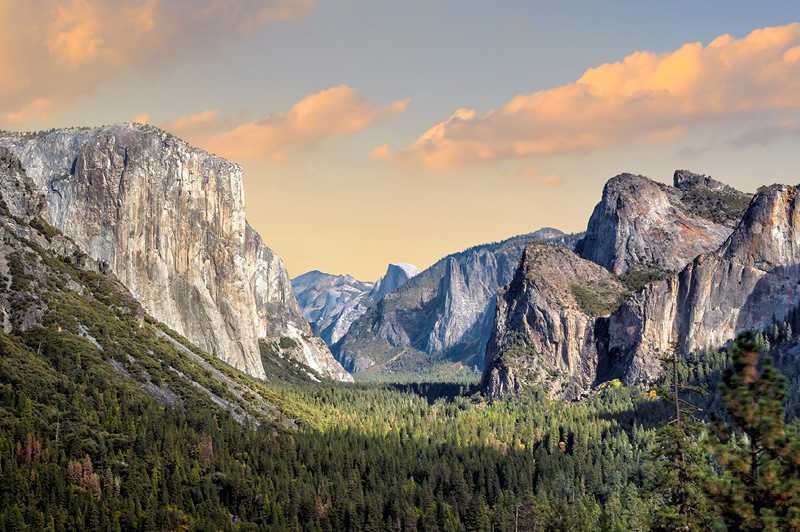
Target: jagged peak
[[627, 179], [686, 180]]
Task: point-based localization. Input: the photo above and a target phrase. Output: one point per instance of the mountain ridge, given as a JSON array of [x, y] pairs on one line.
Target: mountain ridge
[[441, 316], [748, 281], [331, 303], [641, 221]]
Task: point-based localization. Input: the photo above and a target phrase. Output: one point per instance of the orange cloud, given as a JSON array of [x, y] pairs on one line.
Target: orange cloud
[[59, 50], [39, 110], [257, 12], [646, 97], [143, 118], [533, 175], [199, 128], [332, 112], [551, 179], [76, 36]]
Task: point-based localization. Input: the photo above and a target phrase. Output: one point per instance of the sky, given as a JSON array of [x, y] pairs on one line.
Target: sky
[[379, 131]]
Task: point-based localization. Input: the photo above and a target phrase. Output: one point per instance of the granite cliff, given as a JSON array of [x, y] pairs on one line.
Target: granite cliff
[[640, 222], [749, 282], [168, 221], [331, 303], [440, 317], [679, 272], [65, 320]]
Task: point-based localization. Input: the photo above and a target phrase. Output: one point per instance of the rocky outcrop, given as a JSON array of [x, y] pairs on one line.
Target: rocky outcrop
[[750, 281], [725, 281], [543, 330], [48, 284], [441, 316], [331, 303], [640, 222], [168, 220]]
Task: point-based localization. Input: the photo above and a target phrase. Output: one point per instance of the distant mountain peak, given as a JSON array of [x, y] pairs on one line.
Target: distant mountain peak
[[332, 302], [409, 269]]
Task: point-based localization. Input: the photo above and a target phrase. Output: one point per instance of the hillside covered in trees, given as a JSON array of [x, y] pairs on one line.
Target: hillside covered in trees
[[81, 448]]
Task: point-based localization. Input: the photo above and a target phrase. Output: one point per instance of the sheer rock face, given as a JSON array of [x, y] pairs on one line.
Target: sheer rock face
[[16, 189], [25, 240], [750, 281], [396, 276], [437, 311], [168, 220], [639, 221], [444, 312], [728, 280], [542, 333]]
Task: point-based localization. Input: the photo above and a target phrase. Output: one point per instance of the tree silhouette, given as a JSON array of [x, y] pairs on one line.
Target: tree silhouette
[[761, 488], [679, 463]]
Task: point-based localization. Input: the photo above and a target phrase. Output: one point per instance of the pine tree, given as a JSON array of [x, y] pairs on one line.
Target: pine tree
[[678, 461], [476, 518], [761, 488]]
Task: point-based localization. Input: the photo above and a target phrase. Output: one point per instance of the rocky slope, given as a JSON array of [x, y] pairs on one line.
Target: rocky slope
[[543, 332], [752, 280], [168, 220], [441, 316], [331, 303], [640, 222]]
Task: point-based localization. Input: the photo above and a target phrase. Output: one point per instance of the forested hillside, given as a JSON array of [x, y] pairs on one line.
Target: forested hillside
[[83, 449]]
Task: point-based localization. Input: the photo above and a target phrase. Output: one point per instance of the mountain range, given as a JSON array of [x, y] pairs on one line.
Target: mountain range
[[659, 266], [571, 333], [440, 320]]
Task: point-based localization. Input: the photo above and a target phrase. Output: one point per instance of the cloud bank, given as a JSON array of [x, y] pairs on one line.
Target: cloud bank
[[647, 98], [54, 51], [332, 112]]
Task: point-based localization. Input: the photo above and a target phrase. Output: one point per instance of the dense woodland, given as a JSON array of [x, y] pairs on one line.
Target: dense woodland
[[82, 449]]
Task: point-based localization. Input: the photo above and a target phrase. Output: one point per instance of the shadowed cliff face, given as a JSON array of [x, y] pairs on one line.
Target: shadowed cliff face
[[749, 282], [168, 220], [642, 222], [544, 324]]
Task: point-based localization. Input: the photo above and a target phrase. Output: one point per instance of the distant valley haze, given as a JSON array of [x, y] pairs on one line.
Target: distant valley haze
[[378, 132]]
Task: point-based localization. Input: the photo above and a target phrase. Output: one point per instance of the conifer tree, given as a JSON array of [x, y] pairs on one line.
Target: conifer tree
[[477, 515], [761, 487], [678, 461]]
